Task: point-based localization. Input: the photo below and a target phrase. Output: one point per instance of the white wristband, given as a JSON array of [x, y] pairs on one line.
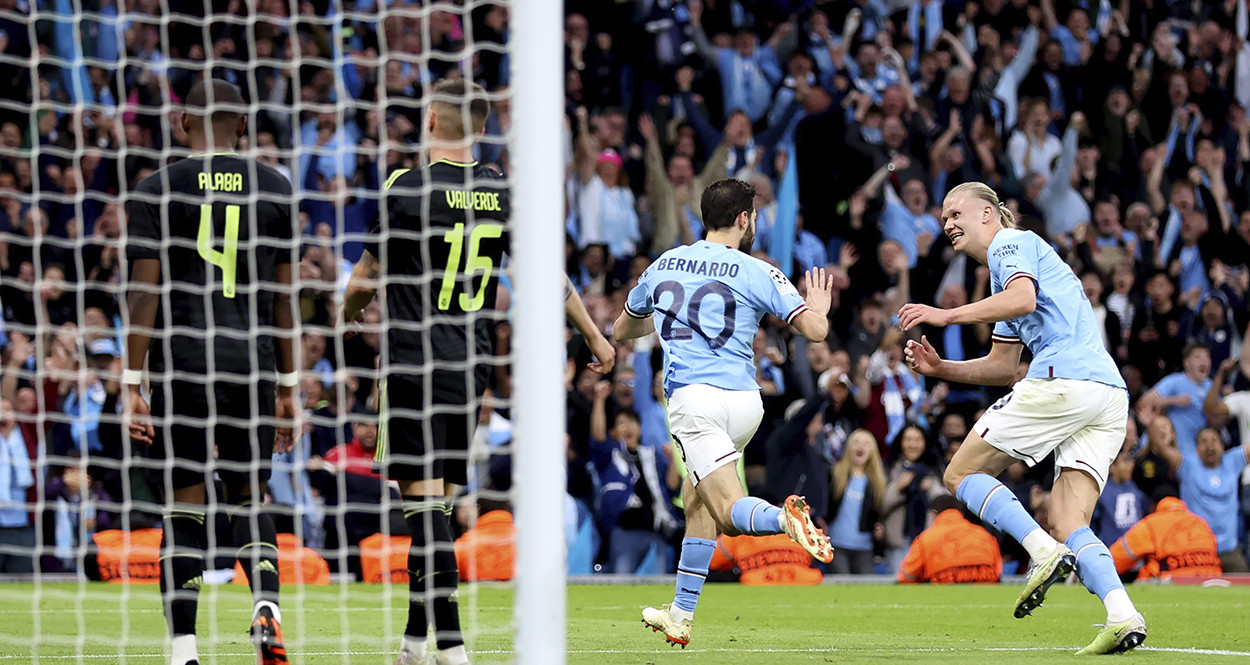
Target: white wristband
[[132, 377], [288, 379]]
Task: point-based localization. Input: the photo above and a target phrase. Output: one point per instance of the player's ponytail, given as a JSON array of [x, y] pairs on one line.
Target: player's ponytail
[[1008, 218], [984, 192]]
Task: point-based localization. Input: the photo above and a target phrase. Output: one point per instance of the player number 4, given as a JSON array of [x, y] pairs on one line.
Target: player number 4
[[472, 264], [228, 258]]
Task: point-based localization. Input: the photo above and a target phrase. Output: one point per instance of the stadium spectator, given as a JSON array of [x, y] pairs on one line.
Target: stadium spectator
[[1152, 470], [674, 190], [1219, 406], [1031, 149], [952, 550], [1154, 342], [896, 392], [634, 497], [606, 204], [749, 72], [1208, 484], [1122, 504], [855, 496], [16, 531], [353, 491], [1182, 394], [915, 482], [487, 551], [1170, 541], [796, 453], [1051, 190]]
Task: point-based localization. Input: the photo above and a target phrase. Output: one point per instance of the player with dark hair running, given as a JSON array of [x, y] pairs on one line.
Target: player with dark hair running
[[439, 248], [216, 406], [706, 300]]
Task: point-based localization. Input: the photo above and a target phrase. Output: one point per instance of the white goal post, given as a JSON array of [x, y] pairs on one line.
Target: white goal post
[[538, 248]]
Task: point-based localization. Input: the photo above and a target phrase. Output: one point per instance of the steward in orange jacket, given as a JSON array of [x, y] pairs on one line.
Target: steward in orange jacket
[[488, 550], [1171, 541], [952, 550], [766, 560]]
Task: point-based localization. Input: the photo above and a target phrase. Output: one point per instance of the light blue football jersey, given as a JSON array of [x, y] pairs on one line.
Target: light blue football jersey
[[1061, 333], [708, 300]]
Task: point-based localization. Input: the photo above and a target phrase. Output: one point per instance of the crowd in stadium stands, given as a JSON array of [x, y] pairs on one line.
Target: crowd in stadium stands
[[1116, 130]]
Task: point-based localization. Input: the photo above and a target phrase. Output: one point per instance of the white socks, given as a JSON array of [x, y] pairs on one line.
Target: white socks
[[781, 522], [680, 614], [1119, 607], [453, 656], [419, 647], [182, 650], [413, 645], [1039, 544]]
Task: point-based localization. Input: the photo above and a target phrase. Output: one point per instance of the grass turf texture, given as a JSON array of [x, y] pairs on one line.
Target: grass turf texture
[[825, 624]]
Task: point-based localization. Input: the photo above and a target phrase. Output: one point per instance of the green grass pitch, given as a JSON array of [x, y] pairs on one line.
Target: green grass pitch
[[356, 624]]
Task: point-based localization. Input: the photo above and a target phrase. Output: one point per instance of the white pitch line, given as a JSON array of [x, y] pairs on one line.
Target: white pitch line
[[398, 608], [500, 652]]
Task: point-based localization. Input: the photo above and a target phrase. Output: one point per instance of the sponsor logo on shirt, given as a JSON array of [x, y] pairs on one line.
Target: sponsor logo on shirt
[[1006, 250]]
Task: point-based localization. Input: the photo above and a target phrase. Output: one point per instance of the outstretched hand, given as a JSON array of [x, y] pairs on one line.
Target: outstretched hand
[[819, 290], [914, 314], [922, 357]]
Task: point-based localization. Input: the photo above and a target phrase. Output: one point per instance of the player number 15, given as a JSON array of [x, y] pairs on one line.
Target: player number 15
[[472, 264]]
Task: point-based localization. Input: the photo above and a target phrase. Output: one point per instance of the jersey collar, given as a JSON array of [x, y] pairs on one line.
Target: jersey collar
[[460, 164]]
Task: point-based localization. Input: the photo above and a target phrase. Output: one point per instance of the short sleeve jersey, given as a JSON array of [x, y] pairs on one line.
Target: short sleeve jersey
[[708, 300], [440, 241], [1061, 332], [1212, 494], [220, 225], [1187, 420]]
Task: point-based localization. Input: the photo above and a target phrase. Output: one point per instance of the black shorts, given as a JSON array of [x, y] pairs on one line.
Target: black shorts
[[424, 441], [237, 422]]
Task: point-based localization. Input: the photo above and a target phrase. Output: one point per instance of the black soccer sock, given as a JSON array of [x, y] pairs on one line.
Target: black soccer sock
[[432, 574], [257, 540], [182, 568]]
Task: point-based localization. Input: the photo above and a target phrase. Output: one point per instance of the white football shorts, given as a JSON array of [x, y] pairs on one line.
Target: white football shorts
[[711, 426], [1082, 422]]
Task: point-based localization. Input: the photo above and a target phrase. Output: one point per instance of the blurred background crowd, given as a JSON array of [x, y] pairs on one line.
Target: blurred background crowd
[[1116, 130]]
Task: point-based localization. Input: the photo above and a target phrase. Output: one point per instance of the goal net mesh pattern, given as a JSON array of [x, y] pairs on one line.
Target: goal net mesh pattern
[[335, 94]]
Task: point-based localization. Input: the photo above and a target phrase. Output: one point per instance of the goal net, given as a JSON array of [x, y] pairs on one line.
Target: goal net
[[335, 94]]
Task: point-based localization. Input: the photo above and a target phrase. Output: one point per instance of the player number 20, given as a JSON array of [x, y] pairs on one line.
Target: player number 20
[[669, 330], [228, 258], [472, 264]]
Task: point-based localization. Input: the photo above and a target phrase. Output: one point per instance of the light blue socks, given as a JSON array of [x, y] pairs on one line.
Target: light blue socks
[[756, 517], [696, 557], [1097, 571]]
